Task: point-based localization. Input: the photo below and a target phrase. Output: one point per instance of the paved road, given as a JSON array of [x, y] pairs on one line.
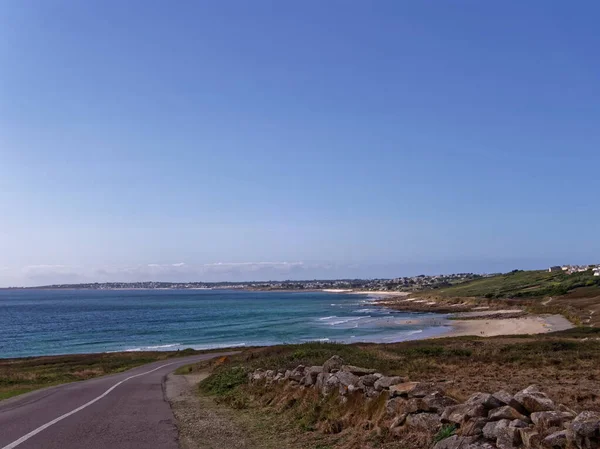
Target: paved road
[[121, 411]]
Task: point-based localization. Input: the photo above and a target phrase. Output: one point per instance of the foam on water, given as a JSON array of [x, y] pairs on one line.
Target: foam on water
[[46, 322]]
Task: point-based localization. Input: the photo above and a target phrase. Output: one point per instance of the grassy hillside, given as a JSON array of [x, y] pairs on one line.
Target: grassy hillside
[[523, 284]]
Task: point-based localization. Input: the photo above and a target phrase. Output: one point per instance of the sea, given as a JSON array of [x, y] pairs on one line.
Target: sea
[[36, 322]]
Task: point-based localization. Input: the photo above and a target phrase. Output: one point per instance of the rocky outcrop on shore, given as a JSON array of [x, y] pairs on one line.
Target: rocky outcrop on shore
[[500, 420]]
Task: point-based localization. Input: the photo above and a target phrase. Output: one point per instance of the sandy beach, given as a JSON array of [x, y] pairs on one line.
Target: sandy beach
[[539, 324]]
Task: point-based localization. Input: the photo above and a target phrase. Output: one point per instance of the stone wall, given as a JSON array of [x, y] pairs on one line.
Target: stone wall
[[528, 419]]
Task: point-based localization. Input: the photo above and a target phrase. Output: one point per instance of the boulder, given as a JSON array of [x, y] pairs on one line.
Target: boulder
[[587, 424], [456, 442], [368, 380], [398, 421], [550, 419], [334, 363], [457, 414], [278, 378], [490, 430], [437, 402], [530, 438], [347, 381], [258, 376], [330, 385], [297, 373], [487, 400], [533, 400], [556, 440], [385, 382], [503, 396], [518, 423], [311, 373], [403, 389], [584, 431], [287, 374], [508, 438], [473, 426], [322, 379], [506, 412], [356, 370], [394, 406], [423, 421], [423, 389]]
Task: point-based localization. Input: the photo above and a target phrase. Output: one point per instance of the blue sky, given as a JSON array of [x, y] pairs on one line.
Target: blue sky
[[277, 139]]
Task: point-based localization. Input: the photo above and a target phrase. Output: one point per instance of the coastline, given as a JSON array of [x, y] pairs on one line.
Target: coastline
[[464, 319]]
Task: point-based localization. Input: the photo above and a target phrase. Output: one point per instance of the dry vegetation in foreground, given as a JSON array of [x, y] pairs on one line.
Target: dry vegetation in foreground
[[18, 376], [566, 365]]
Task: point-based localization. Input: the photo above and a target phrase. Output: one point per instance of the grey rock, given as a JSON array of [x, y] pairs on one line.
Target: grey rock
[[311, 374], [456, 442], [394, 406], [297, 373], [437, 402], [403, 389], [423, 421], [423, 389], [347, 381], [258, 375], [508, 438], [385, 382], [322, 379], [503, 396], [458, 414], [506, 412], [556, 440], [487, 400], [473, 426], [533, 400], [550, 419], [357, 370], [490, 430], [398, 421], [335, 362], [530, 438], [587, 424], [330, 385], [368, 380], [518, 423]]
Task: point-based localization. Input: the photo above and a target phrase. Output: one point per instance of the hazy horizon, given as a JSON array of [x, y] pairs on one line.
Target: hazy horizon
[[282, 140]]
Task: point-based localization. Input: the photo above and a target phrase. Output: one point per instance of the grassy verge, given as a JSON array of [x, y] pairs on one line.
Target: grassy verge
[[566, 365], [18, 376]]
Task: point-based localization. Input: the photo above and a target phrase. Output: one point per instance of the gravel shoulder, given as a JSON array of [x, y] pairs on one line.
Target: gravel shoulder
[[202, 423]]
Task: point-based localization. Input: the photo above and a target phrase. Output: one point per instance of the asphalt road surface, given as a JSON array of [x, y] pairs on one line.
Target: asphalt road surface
[[121, 411]]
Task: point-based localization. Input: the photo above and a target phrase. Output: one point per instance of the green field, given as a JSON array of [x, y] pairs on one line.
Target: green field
[[523, 284]]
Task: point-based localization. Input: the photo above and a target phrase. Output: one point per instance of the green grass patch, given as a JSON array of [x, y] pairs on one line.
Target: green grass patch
[[224, 380], [445, 432]]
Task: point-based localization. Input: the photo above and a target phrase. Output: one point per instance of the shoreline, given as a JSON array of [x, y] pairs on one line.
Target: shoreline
[[495, 327]]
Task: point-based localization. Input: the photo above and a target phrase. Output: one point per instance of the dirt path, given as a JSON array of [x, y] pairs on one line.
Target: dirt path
[[202, 424]]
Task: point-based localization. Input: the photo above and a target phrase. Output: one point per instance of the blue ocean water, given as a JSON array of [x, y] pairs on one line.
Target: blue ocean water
[[45, 322]]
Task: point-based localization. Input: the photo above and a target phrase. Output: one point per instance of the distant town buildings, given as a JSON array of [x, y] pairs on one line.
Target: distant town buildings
[[554, 269], [570, 269]]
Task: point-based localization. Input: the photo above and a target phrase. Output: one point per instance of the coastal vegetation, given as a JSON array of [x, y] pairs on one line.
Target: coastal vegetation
[[524, 284], [565, 365], [18, 376]]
